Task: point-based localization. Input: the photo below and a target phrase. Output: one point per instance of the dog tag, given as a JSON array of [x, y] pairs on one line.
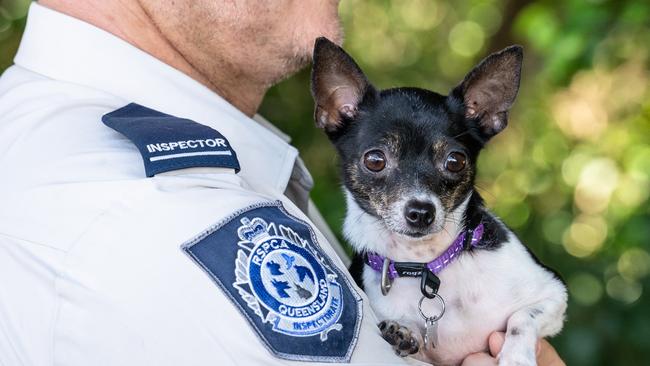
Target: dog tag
[[430, 332], [431, 322]]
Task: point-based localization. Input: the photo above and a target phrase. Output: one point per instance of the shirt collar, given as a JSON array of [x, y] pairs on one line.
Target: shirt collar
[[67, 49]]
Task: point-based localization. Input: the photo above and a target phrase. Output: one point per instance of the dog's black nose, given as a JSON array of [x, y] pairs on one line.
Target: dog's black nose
[[419, 214]]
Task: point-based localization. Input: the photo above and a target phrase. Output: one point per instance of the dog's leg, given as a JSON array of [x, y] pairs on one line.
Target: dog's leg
[[404, 341], [525, 327]]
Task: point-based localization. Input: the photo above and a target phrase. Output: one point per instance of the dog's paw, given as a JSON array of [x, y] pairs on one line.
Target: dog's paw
[[404, 341], [517, 359], [517, 350]]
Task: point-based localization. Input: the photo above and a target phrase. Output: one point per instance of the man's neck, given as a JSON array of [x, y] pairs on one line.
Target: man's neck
[[130, 22]]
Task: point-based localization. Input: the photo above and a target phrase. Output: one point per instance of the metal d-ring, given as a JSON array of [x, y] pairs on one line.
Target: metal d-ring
[[386, 282], [436, 317]]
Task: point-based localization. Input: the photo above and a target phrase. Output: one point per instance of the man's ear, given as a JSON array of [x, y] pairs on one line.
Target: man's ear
[[337, 84], [489, 90]]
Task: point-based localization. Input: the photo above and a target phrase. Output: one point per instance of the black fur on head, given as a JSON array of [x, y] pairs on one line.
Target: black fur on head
[[409, 155]]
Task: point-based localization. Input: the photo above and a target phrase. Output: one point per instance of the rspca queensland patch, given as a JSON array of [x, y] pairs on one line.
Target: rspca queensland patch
[[272, 268]]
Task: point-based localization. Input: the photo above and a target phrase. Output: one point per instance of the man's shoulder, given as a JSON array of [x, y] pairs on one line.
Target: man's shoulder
[[64, 167], [23, 90], [38, 113], [48, 128]]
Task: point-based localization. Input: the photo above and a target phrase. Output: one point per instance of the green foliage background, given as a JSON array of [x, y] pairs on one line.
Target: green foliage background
[[571, 173]]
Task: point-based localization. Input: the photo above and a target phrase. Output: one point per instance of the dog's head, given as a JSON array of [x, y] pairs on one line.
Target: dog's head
[[409, 155]]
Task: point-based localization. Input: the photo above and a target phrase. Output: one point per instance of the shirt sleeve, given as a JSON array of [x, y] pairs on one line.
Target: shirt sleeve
[[198, 269]]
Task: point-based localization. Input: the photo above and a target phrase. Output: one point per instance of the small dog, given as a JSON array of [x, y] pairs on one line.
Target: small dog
[[440, 270]]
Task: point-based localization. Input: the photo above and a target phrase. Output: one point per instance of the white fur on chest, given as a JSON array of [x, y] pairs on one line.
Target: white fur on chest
[[482, 289]]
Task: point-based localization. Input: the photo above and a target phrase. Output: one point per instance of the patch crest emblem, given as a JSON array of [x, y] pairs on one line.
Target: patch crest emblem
[[290, 285], [270, 265]]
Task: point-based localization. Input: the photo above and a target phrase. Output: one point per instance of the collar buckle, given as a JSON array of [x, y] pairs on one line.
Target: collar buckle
[[409, 269], [429, 283]]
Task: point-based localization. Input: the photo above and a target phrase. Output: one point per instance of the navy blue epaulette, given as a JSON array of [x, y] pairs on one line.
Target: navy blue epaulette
[[170, 143]]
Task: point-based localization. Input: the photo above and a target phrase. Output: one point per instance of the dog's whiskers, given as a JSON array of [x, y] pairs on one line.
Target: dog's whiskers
[[461, 134], [484, 190]]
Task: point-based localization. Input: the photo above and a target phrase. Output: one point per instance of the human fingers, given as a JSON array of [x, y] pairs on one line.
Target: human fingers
[[547, 355], [479, 359], [495, 342]]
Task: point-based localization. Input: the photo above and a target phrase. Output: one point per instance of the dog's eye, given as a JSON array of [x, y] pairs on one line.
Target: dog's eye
[[375, 160], [455, 162]]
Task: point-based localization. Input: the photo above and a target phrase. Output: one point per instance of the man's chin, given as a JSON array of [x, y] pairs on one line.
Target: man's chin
[[332, 31], [337, 35], [302, 55]]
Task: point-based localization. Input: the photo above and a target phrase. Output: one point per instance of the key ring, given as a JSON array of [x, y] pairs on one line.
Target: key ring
[[432, 318]]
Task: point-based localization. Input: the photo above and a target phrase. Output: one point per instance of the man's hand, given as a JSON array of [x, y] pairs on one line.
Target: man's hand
[[546, 355]]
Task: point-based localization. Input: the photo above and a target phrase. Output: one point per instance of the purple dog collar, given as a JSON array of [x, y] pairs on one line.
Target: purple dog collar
[[414, 269]]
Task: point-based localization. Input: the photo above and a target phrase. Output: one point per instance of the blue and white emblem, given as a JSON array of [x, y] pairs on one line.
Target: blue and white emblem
[[271, 267], [284, 280]]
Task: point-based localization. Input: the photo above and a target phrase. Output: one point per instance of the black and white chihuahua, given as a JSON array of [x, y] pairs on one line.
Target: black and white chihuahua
[[441, 271]]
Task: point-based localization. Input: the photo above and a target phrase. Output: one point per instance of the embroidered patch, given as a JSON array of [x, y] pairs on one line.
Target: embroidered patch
[[272, 268], [171, 143]]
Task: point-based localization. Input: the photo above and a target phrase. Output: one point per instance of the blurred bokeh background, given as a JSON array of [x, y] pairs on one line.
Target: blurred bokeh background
[[571, 173]]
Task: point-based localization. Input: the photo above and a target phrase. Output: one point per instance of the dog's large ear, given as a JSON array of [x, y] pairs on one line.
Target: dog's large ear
[[337, 84], [489, 90]]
